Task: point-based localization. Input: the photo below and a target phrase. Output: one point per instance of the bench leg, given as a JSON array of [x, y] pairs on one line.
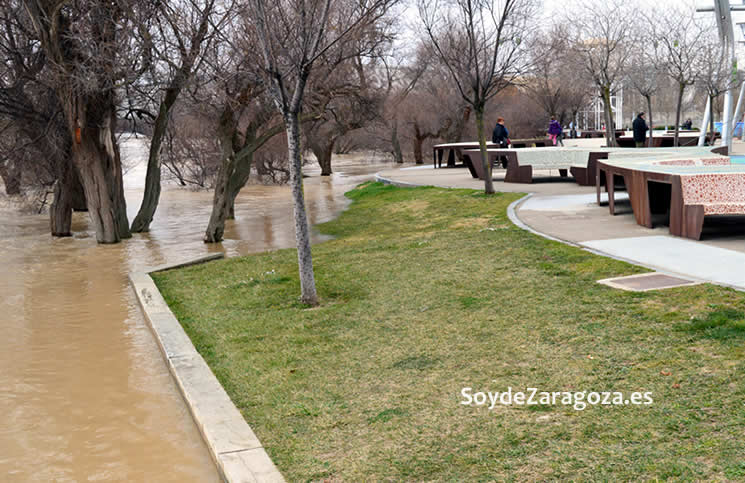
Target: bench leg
[[469, 165], [687, 221], [516, 173], [580, 175], [563, 173]]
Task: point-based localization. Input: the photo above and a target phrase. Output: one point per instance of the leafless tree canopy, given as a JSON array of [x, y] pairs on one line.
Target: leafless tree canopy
[[482, 43]]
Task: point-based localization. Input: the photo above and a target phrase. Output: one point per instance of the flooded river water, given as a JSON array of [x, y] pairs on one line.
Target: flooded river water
[[84, 392]]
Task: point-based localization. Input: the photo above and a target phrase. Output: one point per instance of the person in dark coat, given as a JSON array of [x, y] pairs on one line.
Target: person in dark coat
[[640, 130], [500, 138]]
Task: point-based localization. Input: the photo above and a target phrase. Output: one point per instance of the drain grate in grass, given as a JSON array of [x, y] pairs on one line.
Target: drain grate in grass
[[646, 281]]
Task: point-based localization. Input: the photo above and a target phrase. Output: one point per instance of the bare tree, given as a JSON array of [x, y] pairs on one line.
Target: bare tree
[[36, 141], [91, 54], [601, 34], [557, 82], [481, 43], [183, 30], [292, 35], [676, 41], [644, 77], [191, 148], [343, 101], [243, 119], [716, 74]]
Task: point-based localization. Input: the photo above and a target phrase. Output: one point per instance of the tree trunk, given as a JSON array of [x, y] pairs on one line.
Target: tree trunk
[[488, 183], [221, 198], [397, 155], [241, 173], [60, 212], [418, 141], [78, 193], [610, 129], [323, 153], [713, 137], [95, 154], [150, 199], [651, 126], [308, 293], [220, 206], [11, 175], [681, 88]]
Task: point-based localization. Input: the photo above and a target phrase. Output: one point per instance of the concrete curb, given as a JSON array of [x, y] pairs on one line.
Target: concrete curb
[[512, 215], [237, 452], [400, 184]]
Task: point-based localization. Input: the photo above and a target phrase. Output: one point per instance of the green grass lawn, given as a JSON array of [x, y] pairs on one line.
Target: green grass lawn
[[425, 291]]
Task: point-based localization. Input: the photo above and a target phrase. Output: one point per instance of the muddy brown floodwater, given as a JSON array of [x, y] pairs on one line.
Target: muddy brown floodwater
[[84, 392]]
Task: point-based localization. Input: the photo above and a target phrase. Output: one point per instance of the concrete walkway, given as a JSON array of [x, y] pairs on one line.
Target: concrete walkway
[[563, 210]]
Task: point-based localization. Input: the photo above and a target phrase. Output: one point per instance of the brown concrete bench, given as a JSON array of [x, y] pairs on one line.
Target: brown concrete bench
[[455, 151], [697, 196], [687, 189]]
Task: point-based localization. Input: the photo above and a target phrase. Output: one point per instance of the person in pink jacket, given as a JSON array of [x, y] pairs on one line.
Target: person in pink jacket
[[555, 131]]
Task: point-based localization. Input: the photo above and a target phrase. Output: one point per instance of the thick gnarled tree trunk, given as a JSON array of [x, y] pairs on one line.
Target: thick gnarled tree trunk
[[60, 212], [323, 152], [95, 155], [11, 175]]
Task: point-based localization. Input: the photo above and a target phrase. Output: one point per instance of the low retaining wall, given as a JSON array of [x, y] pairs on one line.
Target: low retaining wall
[[234, 447]]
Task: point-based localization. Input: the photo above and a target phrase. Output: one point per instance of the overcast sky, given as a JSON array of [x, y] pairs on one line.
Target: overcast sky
[[551, 8]]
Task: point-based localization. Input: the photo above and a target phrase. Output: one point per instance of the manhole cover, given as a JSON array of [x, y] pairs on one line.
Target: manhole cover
[[646, 281]]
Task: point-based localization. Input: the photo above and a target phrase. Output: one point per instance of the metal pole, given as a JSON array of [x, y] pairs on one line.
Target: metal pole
[[707, 113], [726, 117], [738, 112]]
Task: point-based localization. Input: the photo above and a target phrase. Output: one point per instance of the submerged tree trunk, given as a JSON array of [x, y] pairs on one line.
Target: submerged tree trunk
[[488, 183], [150, 199], [235, 168], [60, 212], [308, 293], [78, 193], [95, 154], [220, 200], [323, 153], [11, 175], [681, 88]]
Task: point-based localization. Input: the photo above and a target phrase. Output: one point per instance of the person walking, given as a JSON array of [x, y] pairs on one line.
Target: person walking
[[501, 139], [555, 131], [640, 130], [500, 136]]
